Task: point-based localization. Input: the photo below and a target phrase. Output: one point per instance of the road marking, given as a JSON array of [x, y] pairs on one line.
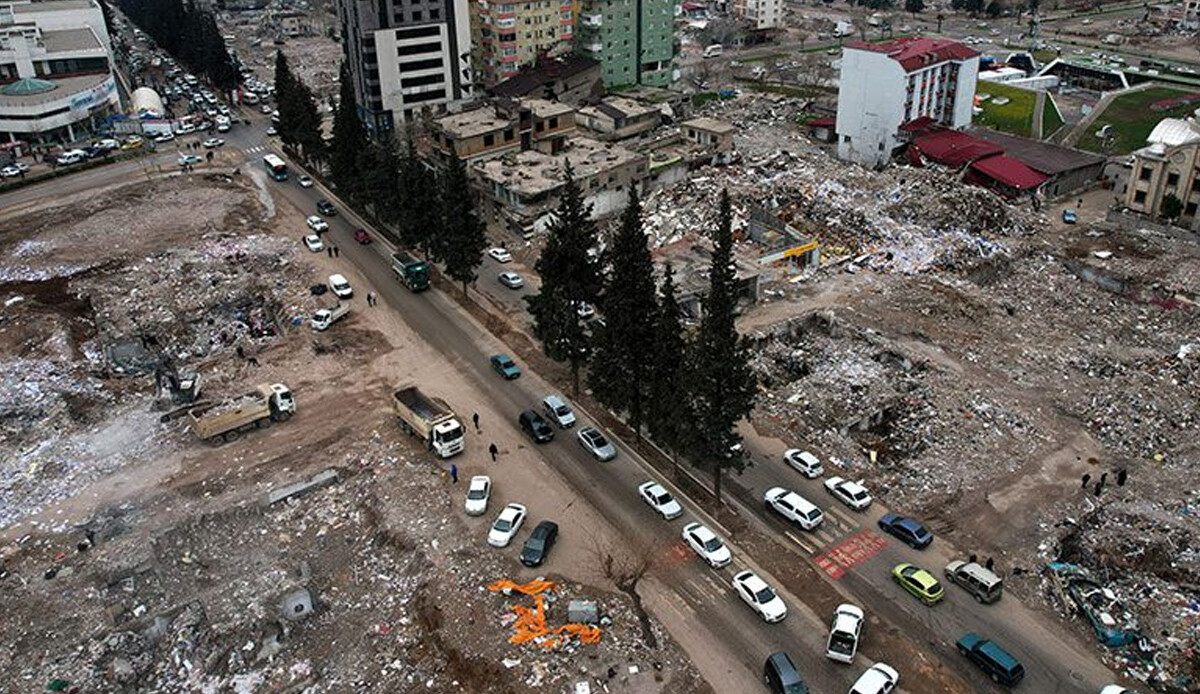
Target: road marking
[[850, 552], [802, 543], [841, 515]]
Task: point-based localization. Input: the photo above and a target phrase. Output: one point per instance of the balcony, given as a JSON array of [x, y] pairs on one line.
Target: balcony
[[506, 23], [591, 20]]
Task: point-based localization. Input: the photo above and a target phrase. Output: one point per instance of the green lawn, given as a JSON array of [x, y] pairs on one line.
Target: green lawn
[[1132, 120], [1051, 121], [1015, 117]]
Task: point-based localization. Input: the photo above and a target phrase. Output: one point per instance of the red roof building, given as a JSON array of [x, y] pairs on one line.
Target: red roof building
[[953, 148], [917, 52], [1005, 175]]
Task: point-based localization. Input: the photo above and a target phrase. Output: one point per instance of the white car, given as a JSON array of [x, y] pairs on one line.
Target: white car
[[223, 127], [10, 172], [478, 493], [844, 634], [213, 143], [265, 109], [340, 286], [759, 596], [511, 280], [706, 543], [1116, 689], [506, 525], [165, 137], [794, 507], [803, 462], [500, 255], [186, 159], [305, 181], [558, 411], [878, 679], [271, 131], [852, 494], [585, 310], [317, 224], [314, 243], [660, 500], [595, 443]]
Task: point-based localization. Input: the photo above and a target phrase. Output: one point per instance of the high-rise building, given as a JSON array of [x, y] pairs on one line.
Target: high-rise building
[[761, 14], [885, 85], [406, 55], [512, 34], [634, 40]]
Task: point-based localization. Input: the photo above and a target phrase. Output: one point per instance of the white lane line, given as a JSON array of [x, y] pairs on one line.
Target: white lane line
[[807, 547]]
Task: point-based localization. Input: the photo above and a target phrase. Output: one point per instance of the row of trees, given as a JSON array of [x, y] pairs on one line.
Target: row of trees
[[687, 390], [188, 33], [299, 119]]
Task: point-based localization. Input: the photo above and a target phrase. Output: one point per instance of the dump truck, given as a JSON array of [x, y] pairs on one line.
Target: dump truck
[[429, 419], [326, 317], [412, 271], [258, 409]]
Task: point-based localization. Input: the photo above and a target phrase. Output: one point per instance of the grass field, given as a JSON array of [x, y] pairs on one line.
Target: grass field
[[1132, 120], [1051, 121], [1015, 117]]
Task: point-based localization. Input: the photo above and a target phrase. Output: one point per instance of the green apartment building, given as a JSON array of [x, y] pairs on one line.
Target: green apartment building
[[634, 40]]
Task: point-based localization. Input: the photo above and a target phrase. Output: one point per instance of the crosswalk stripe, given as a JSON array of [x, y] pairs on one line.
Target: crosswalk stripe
[[800, 542], [841, 515]]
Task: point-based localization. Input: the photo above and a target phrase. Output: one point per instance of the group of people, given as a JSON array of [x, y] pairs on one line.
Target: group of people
[[1098, 488], [493, 450]]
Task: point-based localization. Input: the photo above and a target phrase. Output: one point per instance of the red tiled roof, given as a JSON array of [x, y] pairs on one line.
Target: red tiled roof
[[955, 149], [1010, 172], [917, 124], [823, 122], [916, 52]]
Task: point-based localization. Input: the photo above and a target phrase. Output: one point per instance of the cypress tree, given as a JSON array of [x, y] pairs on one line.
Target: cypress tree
[[349, 141], [285, 100], [666, 402], [619, 369], [463, 236], [419, 217]]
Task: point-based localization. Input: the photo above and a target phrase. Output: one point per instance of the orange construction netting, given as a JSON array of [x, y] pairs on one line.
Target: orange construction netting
[[531, 624]]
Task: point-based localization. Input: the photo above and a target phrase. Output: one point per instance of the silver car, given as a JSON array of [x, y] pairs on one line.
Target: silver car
[[595, 443]]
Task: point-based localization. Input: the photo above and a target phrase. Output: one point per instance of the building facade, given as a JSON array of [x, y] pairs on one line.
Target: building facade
[[56, 79], [1169, 164], [885, 85], [502, 127], [406, 56], [760, 14], [510, 35], [634, 40]]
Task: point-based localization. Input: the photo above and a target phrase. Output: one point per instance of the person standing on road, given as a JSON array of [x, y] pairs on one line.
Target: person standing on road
[[1086, 478], [329, 251], [493, 450], [454, 474], [1122, 475], [475, 419], [337, 253]]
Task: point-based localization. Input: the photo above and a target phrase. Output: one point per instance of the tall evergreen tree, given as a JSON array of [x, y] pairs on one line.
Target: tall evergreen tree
[[619, 369], [420, 218], [299, 120], [379, 177], [463, 235], [718, 379], [666, 402], [285, 100], [570, 276], [349, 141]]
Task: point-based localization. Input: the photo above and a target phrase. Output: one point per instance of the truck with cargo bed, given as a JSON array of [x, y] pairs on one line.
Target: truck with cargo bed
[[429, 419], [258, 409], [326, 317], [412, 271]]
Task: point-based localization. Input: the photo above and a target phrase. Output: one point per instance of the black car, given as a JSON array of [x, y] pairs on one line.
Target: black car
[[537, 547], [907, 530], [538, 429], [781, 676], [326, 208]]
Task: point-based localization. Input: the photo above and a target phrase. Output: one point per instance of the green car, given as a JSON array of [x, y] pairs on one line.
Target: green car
[[919, 582]]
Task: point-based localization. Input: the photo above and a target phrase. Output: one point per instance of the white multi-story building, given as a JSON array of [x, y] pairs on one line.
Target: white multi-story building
[[56, 79], [761, 14], [885, 85]]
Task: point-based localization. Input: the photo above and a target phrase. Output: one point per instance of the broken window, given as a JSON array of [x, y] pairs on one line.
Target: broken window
[[1146, 173], [1139, 197], [1172, 179]]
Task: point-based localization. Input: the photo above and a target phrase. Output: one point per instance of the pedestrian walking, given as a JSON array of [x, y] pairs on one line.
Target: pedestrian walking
[[329, 251], [454, 474], [1097, 489], [337, 252], [241, 352], [1086, 478], [1122, 475], [991, 564], [475, 419], [252, 361], [973, 559], [493, 450]]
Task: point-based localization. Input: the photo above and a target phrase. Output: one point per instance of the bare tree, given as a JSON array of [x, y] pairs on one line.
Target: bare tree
[[624, 563]]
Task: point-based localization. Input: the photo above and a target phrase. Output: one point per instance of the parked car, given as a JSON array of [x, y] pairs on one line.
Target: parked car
[[305, 181], [341, 286], [844, 635], [511, 280], [660, 500], [706, 543], [479, 492], [537, 547], [880, 678], [189, 159], [794, 507], [852, 494], [984, 585], [362, 236], [558, 411], [165, 137], [1070, 216], [585, 310], [1116, 689], [538, 429], [761, 597], [597, 444], [907, 530], [995, 662], [804, 462], [505, 366], [317, 224], [213, 143], [781, 675], [271, 131], [326, 208], [500, 255], [313, 242], [919, 582], [506, 525], [10, 171]]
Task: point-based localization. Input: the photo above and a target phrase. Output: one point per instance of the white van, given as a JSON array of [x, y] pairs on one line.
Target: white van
[[72, 156], [794, 507], [340, 286], [714, 50]]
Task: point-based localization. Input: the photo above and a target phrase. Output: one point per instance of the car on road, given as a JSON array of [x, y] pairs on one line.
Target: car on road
[[165, 137], [224, 128], [537, 547], [189, 159], [1070, 216], [538, 429], [759, 596], [265, 109], [511, 280], [341, 286], [317, 224], [271, 131], [880, 678], [844, 635], [500, 255], [660, 500], [505, 366], [908, 530], [585, 310], [305, 181], [781, 675], [706, 543], [996, 663], [479, 491], [804, 462], [558, 411], [326, 208], [132, 142], [595, 443], [793, 507], [1116, 689], [919, 582], [852, 494], [10, 171], [984, 585], [213, 143], [362, 236], [313, 242], [506, 525]]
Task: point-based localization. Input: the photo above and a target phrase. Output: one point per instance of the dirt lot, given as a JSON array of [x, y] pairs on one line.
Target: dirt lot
[[134, 558]]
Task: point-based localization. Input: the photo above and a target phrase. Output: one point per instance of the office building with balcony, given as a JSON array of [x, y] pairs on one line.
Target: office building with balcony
[[511, 35], [406, 56], [634, 40]]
